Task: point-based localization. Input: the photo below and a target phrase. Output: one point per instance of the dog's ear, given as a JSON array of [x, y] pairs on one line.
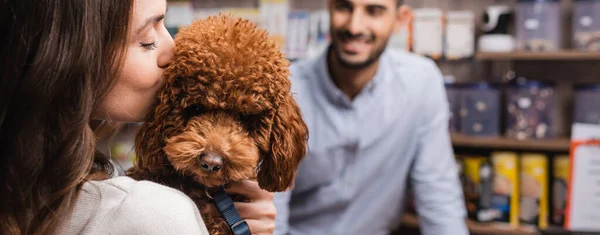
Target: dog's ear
[[288, 143], [162, 121]]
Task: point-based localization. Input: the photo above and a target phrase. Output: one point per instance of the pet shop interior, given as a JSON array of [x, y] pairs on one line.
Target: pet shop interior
[[523, 83]]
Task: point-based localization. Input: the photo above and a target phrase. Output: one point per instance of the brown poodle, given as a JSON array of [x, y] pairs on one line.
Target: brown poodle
[[226, 114]]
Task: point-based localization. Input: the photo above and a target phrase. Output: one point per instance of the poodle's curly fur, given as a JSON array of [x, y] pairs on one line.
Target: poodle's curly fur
[[227, 94]]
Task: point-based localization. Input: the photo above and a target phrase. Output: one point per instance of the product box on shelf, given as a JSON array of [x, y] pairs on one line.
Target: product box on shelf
[[538, 25], [480, 109], [298, 34], [248, 13], [459, 41], [478, 188], [505, 197], [583, 200], [203, 13], [529, 105], [180, 14], [319, 37], [460, 166], [586, 25], [453, 95], [533, 206], [428, 33], [273, 17], [560, 181], [587, 100]]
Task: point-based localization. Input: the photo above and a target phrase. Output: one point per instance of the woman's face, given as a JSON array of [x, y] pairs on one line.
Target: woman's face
[[149, 50]]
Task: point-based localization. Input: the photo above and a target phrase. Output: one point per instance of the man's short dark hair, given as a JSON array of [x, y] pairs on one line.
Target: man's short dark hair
[[399, 3]]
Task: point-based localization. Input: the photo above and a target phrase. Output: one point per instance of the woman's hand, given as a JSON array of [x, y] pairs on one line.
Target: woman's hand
[[259, 213]]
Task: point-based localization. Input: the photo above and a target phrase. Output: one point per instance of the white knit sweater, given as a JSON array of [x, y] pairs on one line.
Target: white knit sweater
[[122, 205]]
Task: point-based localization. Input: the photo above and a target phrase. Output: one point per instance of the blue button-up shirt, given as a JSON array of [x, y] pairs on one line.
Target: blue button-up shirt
[[363, 152]]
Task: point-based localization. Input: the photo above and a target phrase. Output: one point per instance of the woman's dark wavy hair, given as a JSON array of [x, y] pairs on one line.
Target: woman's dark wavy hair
[[58, 60]]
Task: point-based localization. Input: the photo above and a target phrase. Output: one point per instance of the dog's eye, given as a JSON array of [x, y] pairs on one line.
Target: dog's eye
[[251, 117], [246, 118], [252, 121], [194, 110]]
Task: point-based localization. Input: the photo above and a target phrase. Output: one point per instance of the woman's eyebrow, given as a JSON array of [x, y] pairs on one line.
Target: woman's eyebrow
[[150, 21]]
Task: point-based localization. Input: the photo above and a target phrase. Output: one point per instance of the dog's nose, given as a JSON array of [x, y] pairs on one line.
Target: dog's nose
[[211, 162]]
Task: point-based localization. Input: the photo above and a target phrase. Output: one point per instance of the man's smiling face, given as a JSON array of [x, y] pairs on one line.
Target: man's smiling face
[[360, 29]]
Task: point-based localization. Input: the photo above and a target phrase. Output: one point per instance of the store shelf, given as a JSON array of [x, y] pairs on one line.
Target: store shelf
[[554, 145], [412, 221], [558, 56]]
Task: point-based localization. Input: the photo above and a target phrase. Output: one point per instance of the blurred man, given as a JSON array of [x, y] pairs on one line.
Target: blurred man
[[378, 120]]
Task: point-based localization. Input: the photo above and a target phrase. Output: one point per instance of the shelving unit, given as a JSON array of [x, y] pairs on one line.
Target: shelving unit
[[539, 56], [412, 222], [552, 145]]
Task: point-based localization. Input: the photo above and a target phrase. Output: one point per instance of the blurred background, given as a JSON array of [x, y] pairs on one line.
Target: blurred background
[[518, 73]]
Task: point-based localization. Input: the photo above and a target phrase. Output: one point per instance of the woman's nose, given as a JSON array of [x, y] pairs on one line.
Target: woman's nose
[[168, 52]]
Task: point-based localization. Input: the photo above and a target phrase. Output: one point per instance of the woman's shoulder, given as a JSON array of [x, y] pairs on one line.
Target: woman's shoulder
[[122, 205], [132, 191], [128, 194]]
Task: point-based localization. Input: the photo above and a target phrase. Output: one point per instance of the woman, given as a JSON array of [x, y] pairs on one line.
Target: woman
[[64, 64]]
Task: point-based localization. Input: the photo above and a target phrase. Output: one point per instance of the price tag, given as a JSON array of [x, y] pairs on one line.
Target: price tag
[[583, 203]]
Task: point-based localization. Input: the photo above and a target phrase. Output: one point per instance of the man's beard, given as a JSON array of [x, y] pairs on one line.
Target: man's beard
[[373, 57]]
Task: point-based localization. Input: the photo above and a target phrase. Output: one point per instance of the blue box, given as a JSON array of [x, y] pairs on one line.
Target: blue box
[[480, 109], [586, 25], [538, 25], [587, 103], [453, 94], [529, 105]]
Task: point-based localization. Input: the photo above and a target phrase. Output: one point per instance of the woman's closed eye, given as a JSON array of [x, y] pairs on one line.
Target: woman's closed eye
[[149, 46]]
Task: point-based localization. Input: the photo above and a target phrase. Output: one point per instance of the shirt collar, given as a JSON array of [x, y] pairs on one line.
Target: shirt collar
[[334, 94]]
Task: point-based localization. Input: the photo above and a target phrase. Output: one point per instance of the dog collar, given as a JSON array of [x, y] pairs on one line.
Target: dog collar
[[225, 206]]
